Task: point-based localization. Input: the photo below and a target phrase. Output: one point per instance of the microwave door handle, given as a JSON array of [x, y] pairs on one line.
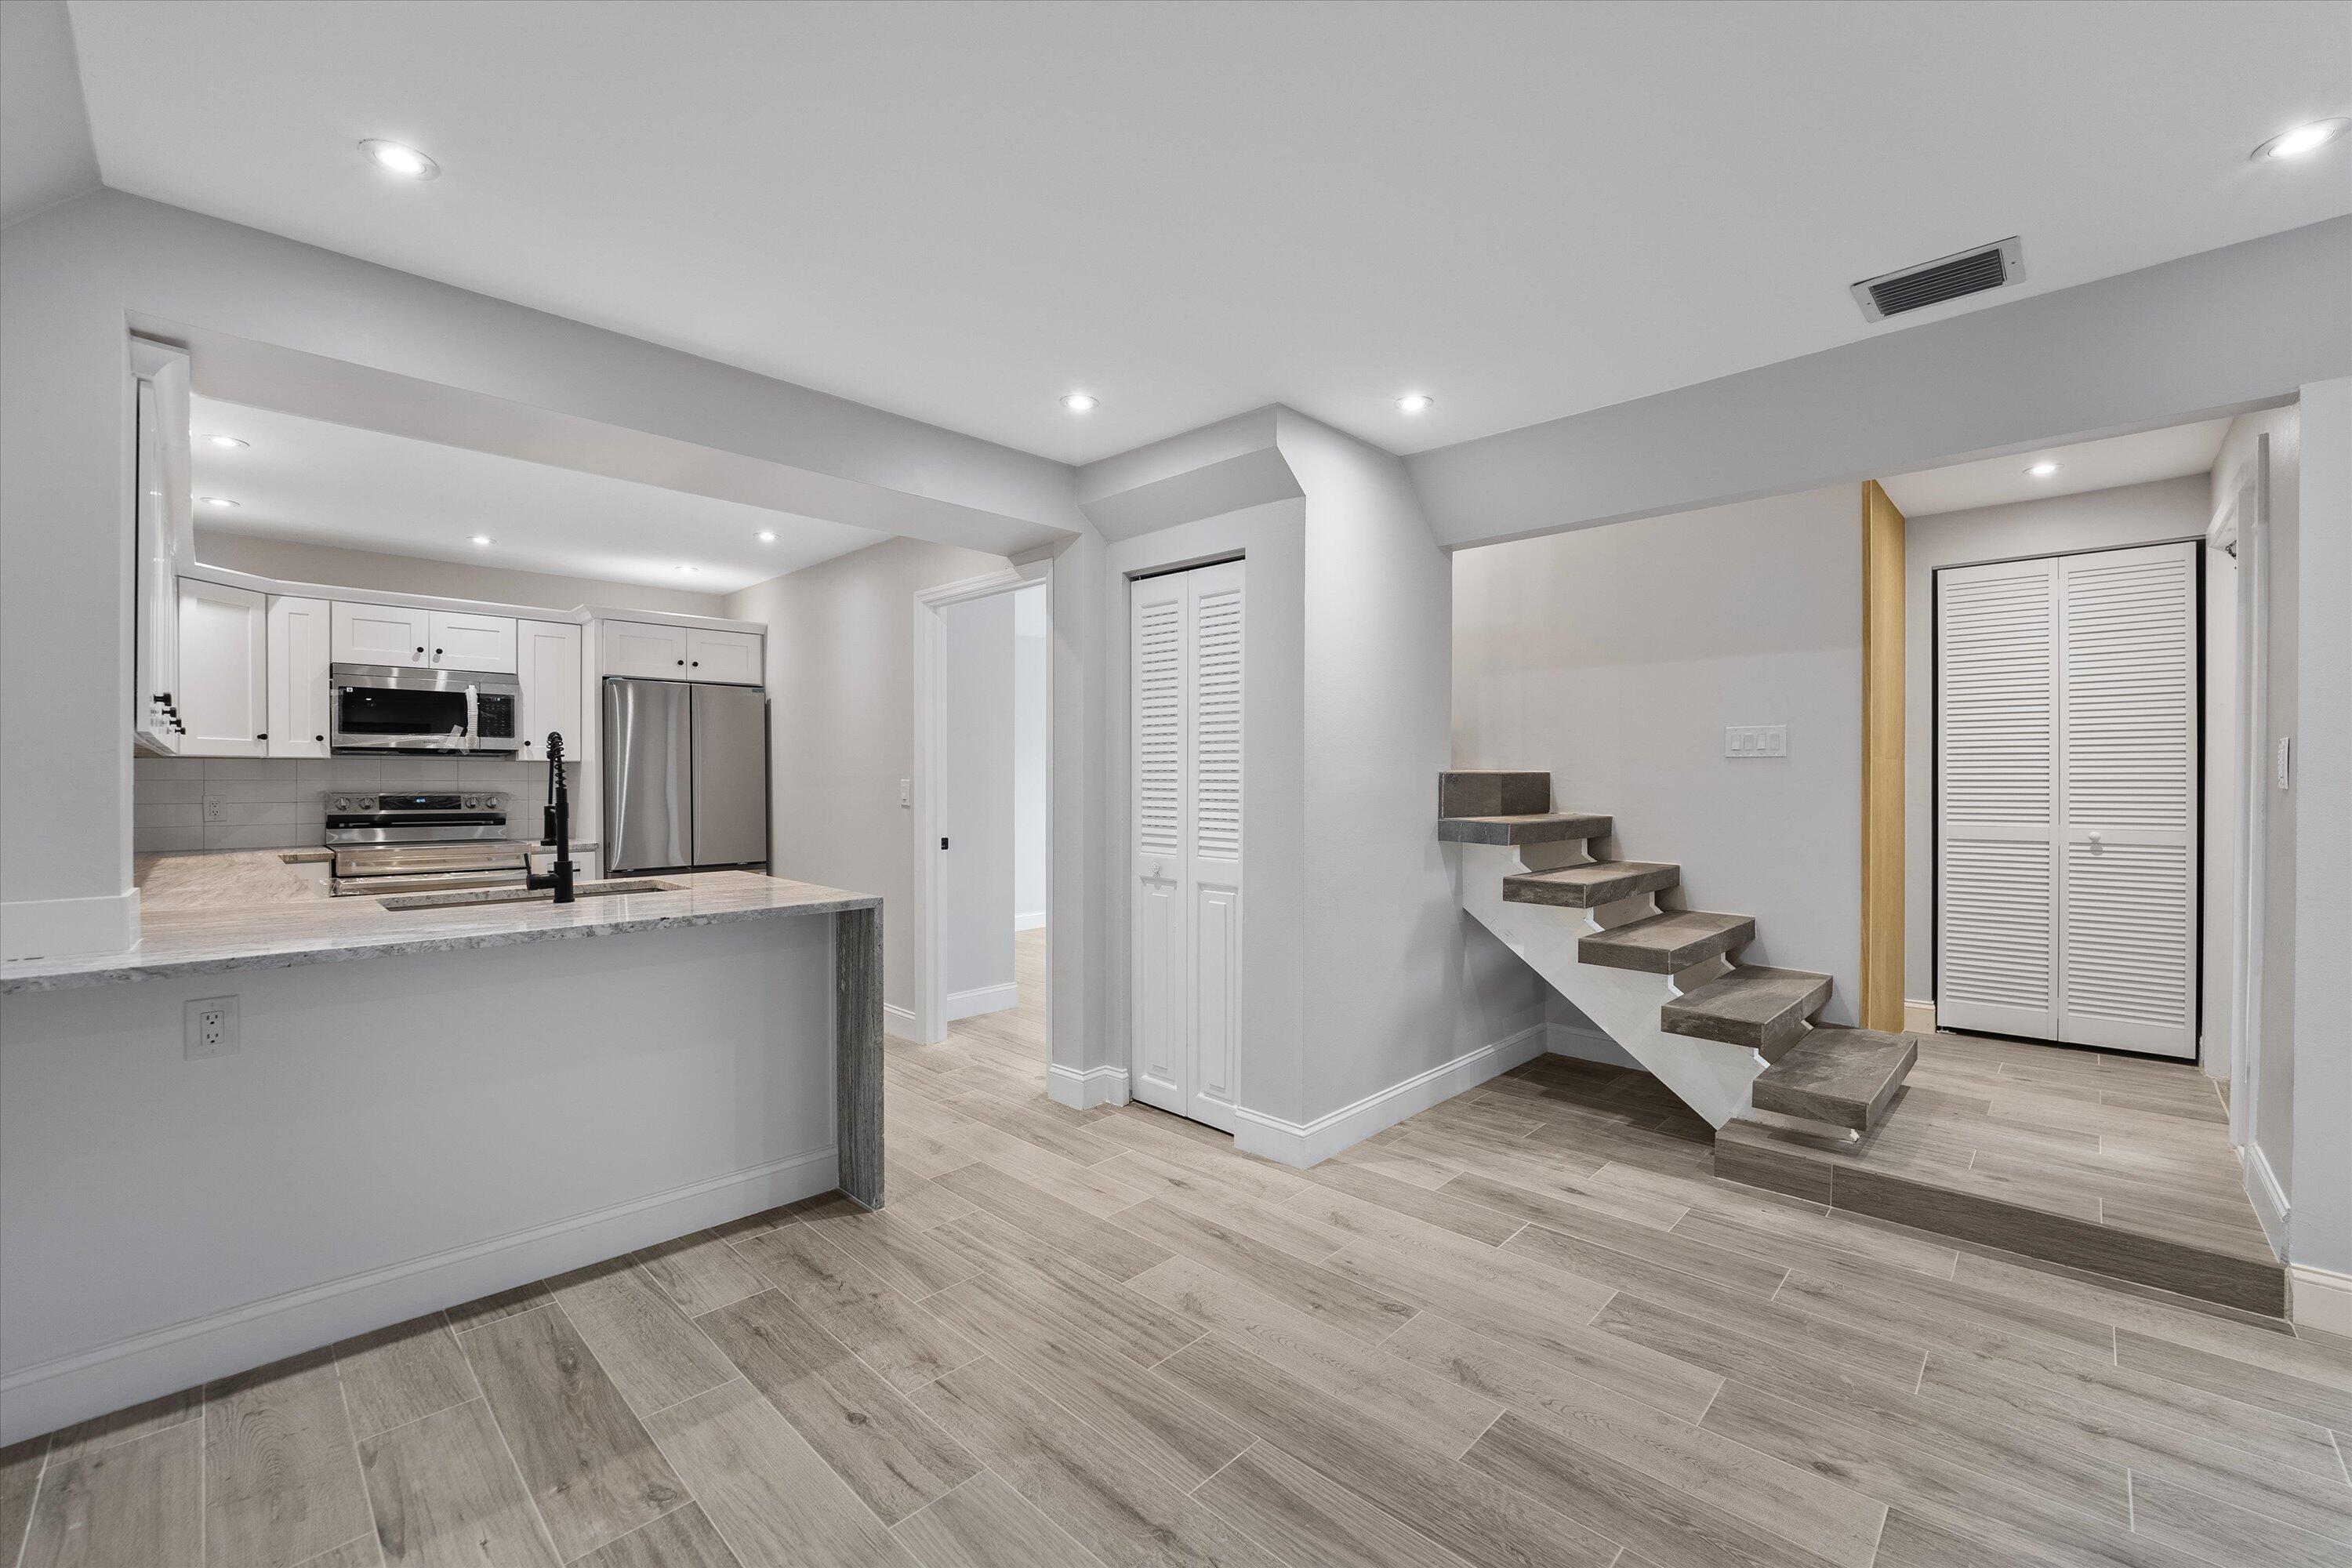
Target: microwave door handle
[[473, 716]]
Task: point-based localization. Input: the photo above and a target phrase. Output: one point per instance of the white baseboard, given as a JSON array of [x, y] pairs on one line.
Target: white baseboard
[[1033, 920], [2262, 1191], [898, 1021], [2323, 1299], [1918, 1017], [52, 1395], [981, 999], [1587, 1046], [1304, 1143], [1084, 1090], [64, 927]]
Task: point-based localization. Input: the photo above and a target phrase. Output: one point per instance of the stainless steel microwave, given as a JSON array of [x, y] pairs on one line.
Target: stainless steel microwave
[[388, 708]]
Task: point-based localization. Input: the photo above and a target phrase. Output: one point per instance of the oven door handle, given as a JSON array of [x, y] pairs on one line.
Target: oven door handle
[[473, 716]]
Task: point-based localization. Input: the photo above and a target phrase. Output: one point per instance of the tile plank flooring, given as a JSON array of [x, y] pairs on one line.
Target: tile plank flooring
[[1528, 1327]]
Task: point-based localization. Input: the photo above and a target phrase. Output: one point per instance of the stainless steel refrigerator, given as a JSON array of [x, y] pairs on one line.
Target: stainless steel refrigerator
[[686, 777]]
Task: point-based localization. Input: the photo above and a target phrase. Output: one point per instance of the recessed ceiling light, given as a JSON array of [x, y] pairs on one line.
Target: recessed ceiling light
[[2303, 138], [484, 539], [218, 500], [1414, 402], [229, 441], [406, 162], [689, 570], [2043, 470], [767, 536], [1079, 402]]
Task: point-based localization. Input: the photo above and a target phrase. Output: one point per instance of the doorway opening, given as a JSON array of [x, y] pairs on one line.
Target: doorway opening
[[982, 806]]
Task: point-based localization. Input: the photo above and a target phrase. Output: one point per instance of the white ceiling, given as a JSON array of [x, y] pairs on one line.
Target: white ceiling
[[333, 484], [960, 212], [2086, 465]]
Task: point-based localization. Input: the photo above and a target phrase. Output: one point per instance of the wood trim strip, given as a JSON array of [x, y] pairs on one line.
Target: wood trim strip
[[1881, 1004]]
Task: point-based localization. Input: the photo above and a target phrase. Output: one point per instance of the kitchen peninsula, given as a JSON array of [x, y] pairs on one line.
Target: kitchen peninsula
[[413, 1108]]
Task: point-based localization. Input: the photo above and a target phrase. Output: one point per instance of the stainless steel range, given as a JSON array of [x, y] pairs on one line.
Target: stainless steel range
[[423, 842]]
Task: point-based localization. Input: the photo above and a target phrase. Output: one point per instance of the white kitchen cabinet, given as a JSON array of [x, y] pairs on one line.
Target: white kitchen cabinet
[[380, 634], [644, 650], [462, 641], [551, 673], [729, 657], [224, 699], [299, 635]]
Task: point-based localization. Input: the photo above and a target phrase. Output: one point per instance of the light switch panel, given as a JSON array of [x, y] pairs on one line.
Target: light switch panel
[[1756, 740]]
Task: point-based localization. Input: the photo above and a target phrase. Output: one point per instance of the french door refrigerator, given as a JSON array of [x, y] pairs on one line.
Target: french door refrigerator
[[686, 777]]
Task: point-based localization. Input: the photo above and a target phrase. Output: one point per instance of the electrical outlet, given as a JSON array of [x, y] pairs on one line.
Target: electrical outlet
[[906, 791], [216, 808], [1756, 740], [211, 1027]]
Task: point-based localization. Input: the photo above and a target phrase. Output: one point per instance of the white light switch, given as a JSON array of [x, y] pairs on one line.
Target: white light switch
[[906, 791], [1756, 740], [2285, 759]]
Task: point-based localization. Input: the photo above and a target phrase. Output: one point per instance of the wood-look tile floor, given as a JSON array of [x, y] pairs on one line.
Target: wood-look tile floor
[[1525, 1328]]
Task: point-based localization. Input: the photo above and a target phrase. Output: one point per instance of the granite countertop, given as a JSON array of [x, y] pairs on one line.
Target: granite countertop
[[203, 915]]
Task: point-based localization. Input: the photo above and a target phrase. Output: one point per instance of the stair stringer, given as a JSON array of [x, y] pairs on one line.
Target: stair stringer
[[1713, 1079]]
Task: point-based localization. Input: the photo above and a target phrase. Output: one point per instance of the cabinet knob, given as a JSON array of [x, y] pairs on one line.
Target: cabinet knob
[[420, 649], [263, 736], [318, 737], [697, 664], [436, 653]]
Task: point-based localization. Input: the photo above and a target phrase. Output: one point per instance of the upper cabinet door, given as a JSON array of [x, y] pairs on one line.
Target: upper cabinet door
[[223, 669], [380, 634], [461, 641], [553, 697], [729, 657], [645, 651], [297, 677]]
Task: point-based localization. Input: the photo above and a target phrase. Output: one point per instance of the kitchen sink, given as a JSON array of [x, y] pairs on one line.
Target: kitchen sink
[[481, 897]]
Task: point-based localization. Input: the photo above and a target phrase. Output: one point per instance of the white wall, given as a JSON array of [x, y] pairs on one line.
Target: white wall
[[976, 764], [1615, 657], [296, 561], [2094, 520], [1032, 760], [2321, 920], [359, 1161], [841, 714]]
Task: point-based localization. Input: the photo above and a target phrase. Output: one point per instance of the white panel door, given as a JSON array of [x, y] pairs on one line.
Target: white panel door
[[553, 696], [2127, 799], [297, 677], [224, 670], [380, 634], [1187, 632], [644, 650], [2066, 754], [464, 641], [729, 657]]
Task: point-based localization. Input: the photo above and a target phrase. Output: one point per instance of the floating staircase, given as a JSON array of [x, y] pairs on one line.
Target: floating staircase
[[1731, 1039]]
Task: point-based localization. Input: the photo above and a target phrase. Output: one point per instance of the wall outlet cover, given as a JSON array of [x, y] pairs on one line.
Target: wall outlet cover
[[212, 1027], [216, 808]]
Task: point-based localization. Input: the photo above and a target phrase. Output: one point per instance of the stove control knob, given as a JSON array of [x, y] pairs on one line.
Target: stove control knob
[[342, 803]]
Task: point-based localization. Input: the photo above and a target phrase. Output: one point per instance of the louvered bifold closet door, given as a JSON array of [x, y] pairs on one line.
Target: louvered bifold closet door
[[1186, 697], [1159, 677], [1997, 798], [1214, 785], [2127, 799]]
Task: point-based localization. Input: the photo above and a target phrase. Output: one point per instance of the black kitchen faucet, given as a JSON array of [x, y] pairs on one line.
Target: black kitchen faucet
[[559, 824]]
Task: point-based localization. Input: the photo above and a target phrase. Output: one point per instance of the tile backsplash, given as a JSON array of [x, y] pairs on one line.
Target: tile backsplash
[[279, 803]]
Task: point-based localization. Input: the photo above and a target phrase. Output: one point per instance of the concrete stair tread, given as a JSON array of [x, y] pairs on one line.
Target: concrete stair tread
[[1753, 1005], [1594, 883], [1664, 944], [1534, 827], [1841, 1075]]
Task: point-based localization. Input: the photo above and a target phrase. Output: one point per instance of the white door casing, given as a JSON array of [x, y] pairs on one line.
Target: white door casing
[[2066, 749], [1187, 633]]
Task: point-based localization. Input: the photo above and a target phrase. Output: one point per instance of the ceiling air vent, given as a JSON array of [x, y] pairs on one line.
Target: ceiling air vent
[[1947, 277]]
